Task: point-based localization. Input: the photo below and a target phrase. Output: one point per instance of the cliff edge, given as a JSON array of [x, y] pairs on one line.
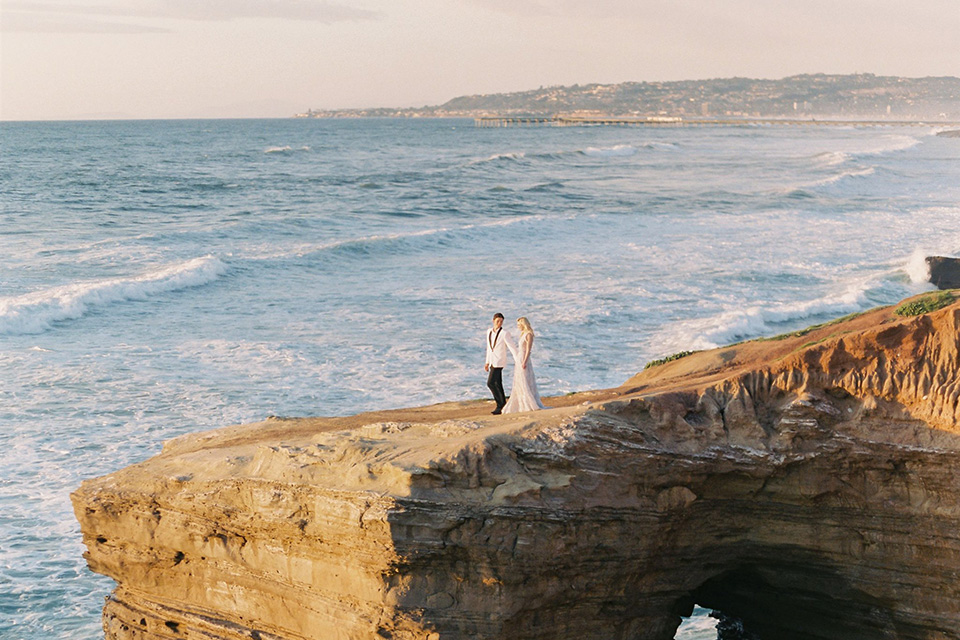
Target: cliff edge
[[808, 485]]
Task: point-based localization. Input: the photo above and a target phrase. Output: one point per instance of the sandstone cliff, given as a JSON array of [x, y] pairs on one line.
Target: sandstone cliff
[[809, 485]]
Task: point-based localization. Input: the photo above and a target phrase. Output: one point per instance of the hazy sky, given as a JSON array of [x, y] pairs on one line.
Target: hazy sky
[[224, 58]]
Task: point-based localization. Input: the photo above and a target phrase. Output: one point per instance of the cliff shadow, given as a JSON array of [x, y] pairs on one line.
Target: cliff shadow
[[795, 595]]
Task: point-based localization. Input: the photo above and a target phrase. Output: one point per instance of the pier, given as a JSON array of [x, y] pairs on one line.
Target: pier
[[669, 121]]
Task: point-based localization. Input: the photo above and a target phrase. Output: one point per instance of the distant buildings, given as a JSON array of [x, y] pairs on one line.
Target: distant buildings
[[803, 96]]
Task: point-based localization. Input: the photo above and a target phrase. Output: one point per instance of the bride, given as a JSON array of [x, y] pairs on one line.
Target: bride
[[523, 396]]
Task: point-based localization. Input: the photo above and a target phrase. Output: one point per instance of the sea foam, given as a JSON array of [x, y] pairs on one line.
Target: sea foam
[[620, 150], [38, 311], [499, 157], [831, 158], [917, 267], [386, 243], [614, 151], [758, 320], [853, 173], [895, 142]]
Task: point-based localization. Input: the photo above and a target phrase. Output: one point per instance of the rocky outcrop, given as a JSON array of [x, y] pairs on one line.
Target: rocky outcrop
[[808, 487], [944, 272]]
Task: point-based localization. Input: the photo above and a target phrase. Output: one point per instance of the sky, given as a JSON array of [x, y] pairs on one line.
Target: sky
[[89, 59]]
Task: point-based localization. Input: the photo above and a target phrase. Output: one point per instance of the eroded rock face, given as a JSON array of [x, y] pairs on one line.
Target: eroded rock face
[[944, 272], [809, 487]]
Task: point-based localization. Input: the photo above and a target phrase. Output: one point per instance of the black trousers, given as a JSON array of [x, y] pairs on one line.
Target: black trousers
[[495, 383]]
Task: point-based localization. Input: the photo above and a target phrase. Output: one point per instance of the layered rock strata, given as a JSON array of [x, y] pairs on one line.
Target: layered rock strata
[[809, 486]]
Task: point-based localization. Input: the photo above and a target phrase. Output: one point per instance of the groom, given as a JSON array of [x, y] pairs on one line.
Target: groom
[[496, 360]]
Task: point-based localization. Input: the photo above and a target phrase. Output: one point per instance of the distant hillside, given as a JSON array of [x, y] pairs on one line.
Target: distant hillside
[[811, 95]]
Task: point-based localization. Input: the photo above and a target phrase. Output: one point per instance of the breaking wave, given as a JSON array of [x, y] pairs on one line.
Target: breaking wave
[[500, 157], [614, 151], [853, 173], [285, 149], [917, 268], [887, 144], [39, 311], [392, 243], [831, 158], [619, 150], [754, 321]]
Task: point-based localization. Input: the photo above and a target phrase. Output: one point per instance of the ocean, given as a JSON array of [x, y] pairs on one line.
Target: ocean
[[164, 277]]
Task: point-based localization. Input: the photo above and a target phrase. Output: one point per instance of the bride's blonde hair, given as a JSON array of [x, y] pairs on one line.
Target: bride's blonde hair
[[524, 325]]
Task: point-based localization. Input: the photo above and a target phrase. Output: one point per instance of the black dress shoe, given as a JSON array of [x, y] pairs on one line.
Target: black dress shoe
[[496, 412]]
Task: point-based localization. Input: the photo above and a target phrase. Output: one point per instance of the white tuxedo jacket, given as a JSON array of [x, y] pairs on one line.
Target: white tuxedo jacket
[[497, 347]]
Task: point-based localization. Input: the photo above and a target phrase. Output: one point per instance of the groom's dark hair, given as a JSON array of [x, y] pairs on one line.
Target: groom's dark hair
[[498, 315]]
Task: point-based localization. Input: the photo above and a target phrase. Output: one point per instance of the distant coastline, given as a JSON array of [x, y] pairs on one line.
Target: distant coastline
[[809, 96]]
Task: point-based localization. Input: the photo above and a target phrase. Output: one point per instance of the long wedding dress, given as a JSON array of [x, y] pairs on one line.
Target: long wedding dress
[[524, 395]]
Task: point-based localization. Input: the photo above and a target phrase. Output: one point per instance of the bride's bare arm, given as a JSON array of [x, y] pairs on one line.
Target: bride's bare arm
[[527, 346]]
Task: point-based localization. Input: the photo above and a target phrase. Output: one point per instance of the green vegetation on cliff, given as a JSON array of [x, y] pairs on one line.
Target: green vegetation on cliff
[[925, 304], [670, 358]]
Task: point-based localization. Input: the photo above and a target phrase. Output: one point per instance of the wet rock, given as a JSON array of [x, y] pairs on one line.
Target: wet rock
[[944, 272], [731, 628]]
